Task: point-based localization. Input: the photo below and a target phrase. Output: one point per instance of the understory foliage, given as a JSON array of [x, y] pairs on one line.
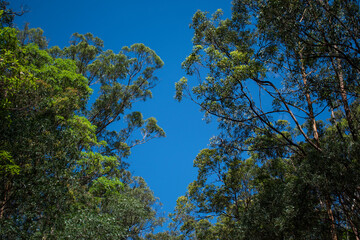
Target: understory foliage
[[67, 125], [282, 79]]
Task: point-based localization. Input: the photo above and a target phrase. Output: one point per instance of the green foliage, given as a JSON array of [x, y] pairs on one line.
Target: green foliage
[[8, 165], [279, 169], [92, 225], [62, 171], [180, 86]]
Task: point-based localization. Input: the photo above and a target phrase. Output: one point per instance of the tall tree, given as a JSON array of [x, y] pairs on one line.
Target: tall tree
[[280, 171], [62, 169], [39, 95]]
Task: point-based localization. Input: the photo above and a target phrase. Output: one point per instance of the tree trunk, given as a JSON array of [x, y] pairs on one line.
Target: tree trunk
[[340, 76], [6, 198], [331, 218], [309, 102]]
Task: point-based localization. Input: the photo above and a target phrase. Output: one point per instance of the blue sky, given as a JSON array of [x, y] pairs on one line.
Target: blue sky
[[166, 164]]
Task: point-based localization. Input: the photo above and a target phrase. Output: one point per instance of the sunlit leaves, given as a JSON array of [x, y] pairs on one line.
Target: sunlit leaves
[[269, 75], [56, 165], [7, 165]]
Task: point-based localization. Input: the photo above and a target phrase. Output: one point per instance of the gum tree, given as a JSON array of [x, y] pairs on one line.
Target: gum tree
[[62, 149], [281, 78]]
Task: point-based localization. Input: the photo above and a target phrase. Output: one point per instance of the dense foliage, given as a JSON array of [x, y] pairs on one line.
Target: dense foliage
[[289, 169], [280, 77], [62, 167]]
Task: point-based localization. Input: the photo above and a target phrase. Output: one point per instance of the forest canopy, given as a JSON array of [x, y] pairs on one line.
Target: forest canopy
[[280, 79], [63, 171]]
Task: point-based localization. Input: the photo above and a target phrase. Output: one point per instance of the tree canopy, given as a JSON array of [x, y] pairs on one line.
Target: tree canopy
[[280, 78], [289, 169], [63, 169]]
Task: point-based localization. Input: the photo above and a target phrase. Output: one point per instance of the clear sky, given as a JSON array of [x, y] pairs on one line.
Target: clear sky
[[163, 25]]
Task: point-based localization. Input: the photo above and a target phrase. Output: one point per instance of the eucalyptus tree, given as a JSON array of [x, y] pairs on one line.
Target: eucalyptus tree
[[123, 79], [62, 149], [39, 95], [289, 169]]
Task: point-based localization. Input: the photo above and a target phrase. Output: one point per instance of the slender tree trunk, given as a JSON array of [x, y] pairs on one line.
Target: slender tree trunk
[[331, 218], [333, 121], [345, 101], [6, 198], [340, 76], [309, 102], [347, 212]]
